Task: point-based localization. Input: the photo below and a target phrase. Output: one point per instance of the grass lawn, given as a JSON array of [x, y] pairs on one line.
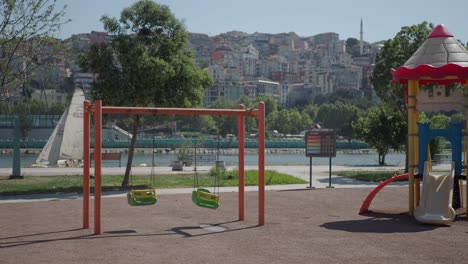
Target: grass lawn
[[369, 176], [74, 184]]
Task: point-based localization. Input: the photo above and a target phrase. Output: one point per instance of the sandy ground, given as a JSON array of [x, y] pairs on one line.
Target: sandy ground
[[302, 226]]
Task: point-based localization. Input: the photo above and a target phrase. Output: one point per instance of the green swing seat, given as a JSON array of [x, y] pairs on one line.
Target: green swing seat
[[203, 198], [142, 197]]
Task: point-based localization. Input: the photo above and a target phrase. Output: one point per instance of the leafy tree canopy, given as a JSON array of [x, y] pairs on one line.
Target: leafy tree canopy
[[394, 54], [338, 116], [288, 121], [382, 128], [345, 96], [26, 27], [147, 62]]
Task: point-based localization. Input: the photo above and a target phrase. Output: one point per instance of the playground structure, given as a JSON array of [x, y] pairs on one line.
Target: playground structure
[[437, 81], [98, 110]]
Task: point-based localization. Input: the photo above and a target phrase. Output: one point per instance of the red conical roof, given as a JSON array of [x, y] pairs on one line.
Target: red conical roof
[[441, 55], [440, 31]]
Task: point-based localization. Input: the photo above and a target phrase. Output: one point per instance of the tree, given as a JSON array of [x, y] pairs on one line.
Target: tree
[[382, 128], [352, 46], [225, 124], [394, 54], [288, 121], [147, 63], [347, 96], [270, 104], [437, 121], [198, 123], [25, 30], [338, 116], [311, 110]]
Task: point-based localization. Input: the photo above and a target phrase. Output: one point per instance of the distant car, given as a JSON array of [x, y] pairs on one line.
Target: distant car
[[177, 165]]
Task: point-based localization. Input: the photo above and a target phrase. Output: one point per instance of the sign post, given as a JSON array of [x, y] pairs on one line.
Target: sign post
[[320, 143], [310, 175]]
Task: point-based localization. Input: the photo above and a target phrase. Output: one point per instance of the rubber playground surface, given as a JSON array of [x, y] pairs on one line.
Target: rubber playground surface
[[301, 226]]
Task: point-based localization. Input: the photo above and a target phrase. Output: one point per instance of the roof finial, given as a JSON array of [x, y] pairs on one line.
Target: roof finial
[[440, 31]]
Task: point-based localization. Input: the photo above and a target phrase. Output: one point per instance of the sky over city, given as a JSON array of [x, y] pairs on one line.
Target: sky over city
[[382, 19]]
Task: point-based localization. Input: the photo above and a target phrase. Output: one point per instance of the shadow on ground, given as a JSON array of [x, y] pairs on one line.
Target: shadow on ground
[[381, 223], [75, 234]]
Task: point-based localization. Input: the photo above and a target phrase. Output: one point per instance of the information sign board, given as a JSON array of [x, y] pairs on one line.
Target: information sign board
[[320, 143]]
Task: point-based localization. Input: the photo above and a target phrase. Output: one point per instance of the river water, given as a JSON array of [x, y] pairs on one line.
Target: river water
[[345, 159]]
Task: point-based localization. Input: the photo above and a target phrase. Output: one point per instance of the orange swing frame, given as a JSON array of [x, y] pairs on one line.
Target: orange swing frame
[[98, 110]]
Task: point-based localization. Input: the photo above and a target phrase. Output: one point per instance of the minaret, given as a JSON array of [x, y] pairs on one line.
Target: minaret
[[361, 42]]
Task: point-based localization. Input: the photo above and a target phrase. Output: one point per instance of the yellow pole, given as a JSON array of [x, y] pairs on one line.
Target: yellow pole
[[417, 184], [412, 87]]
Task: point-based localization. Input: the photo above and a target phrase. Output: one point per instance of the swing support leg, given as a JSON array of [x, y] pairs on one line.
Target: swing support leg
[[240, 141], [261, 164]]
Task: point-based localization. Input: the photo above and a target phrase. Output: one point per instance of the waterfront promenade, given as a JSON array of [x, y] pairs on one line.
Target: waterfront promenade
[[320, 173], [320, 179]]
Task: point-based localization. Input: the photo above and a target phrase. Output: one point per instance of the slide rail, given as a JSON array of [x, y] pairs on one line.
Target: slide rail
[[366, 203]]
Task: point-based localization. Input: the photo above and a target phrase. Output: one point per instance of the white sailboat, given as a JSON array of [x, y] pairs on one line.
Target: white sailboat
[[66, 141]]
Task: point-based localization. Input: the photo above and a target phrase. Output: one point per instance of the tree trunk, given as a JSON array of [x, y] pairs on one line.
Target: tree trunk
[[131, 150], [382, 159]]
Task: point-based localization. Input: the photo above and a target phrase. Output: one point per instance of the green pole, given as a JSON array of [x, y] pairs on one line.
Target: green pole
[[16, 151]]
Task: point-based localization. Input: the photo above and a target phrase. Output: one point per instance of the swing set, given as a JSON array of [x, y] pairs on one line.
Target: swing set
[[145, 196], [200, 196]]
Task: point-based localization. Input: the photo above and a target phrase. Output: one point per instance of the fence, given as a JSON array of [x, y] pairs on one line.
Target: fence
[[177, 143]]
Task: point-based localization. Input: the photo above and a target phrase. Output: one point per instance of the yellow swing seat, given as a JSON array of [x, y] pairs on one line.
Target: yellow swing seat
[[142, 197], [203, 198]]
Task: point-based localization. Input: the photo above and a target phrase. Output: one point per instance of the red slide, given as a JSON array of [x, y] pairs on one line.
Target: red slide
[[365, 205]]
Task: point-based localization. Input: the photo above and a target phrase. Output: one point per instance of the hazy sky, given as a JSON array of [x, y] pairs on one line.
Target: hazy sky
[[382, 18]]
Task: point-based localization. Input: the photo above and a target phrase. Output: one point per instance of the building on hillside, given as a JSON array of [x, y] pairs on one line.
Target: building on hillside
[[250, 90], [226, 57], [51, 73], [322, 50], [337, 47], [202, 46], [285, 77], [249, 60], [347, 77], [362, 60], [229, 91], [343, 59], [267, 88], [261, 42], [325, 38], [233, 74], [264, 68], [366, 86], [217, 73]]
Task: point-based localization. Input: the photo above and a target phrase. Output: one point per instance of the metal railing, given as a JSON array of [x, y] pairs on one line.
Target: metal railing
[[178, 143]]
